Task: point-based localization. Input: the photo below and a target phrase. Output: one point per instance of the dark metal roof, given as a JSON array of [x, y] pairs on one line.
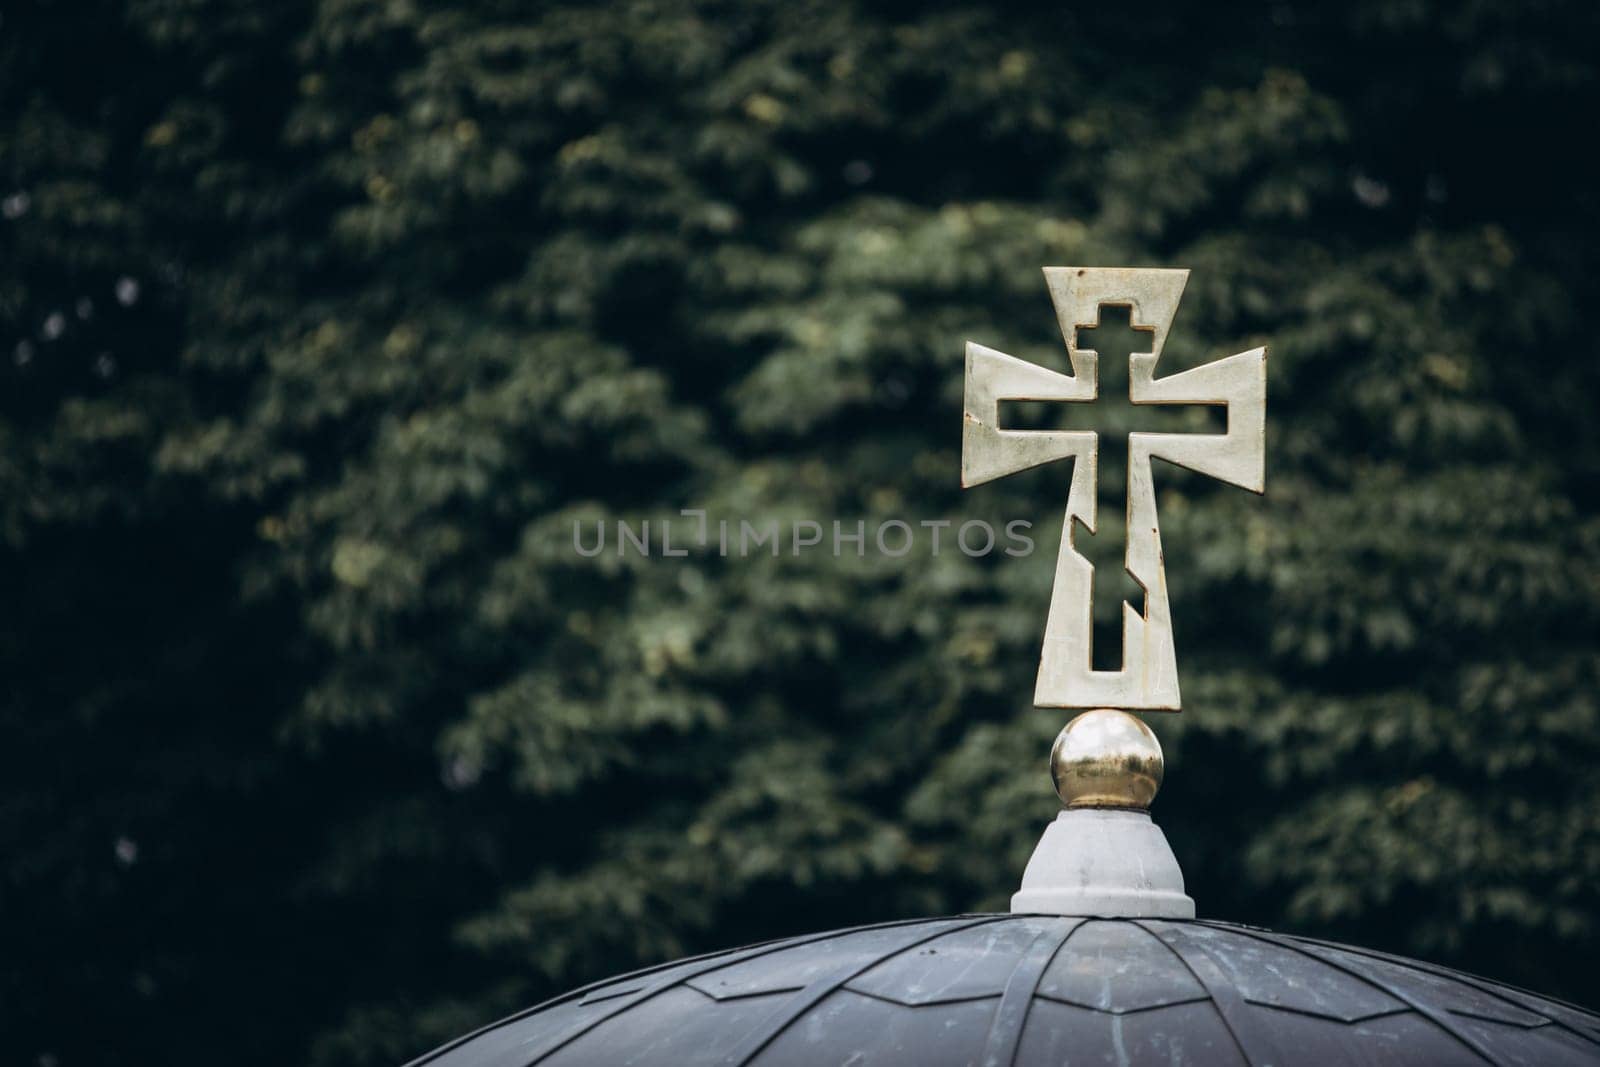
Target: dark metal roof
[[997, 990]]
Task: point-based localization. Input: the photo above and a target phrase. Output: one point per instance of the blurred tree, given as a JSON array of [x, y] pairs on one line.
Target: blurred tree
[[325, 323]]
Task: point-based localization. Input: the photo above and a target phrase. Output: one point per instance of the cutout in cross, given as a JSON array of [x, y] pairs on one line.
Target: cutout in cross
[[1148, 677], [1113, 416]]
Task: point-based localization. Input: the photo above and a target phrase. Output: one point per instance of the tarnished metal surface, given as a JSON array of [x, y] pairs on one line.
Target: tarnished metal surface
[[1148, 679], [1030, 991], [1106, 759]]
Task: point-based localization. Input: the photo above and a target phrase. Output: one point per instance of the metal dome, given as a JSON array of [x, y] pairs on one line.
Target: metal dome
[[998, 990]]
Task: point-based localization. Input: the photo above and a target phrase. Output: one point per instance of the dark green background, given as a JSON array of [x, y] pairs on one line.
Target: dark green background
[[321, 324]]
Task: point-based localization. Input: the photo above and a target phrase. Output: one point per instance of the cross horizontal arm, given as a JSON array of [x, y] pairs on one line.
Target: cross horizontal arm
[[1237, 457], [987, 451]]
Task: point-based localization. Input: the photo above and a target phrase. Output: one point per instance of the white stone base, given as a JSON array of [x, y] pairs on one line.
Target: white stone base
[[1104, 862]]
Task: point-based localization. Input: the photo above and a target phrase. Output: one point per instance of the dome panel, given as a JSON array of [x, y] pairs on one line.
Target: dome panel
[[609, 992], [1269, 973], [506, 1045], [1401, 1039], [806, 960], [966, 964], [1571, 1019], [1436, 991], [1180, 1033], [679, 1025], [852, 1028], [1548, 1045], [511, 1045], [1117, 967], [1562, 1014]]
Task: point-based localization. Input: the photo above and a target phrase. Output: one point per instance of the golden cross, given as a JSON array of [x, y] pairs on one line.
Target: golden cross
[[1148, 677]]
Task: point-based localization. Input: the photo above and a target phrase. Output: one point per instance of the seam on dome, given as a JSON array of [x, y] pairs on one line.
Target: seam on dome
[[1438, 1016], [1228, 1002], [814, 993], [1011, 1014]]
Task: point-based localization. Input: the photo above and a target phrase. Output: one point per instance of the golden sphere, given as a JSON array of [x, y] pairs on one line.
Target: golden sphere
[[1106, 759]]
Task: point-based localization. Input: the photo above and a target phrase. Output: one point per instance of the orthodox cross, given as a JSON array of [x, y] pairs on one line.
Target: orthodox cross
[[1148, 677]]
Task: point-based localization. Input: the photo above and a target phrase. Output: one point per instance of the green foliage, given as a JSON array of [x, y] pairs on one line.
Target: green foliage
[[326, 322]]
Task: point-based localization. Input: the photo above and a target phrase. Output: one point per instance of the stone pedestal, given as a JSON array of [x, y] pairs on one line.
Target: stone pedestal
[[1104, 862]]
